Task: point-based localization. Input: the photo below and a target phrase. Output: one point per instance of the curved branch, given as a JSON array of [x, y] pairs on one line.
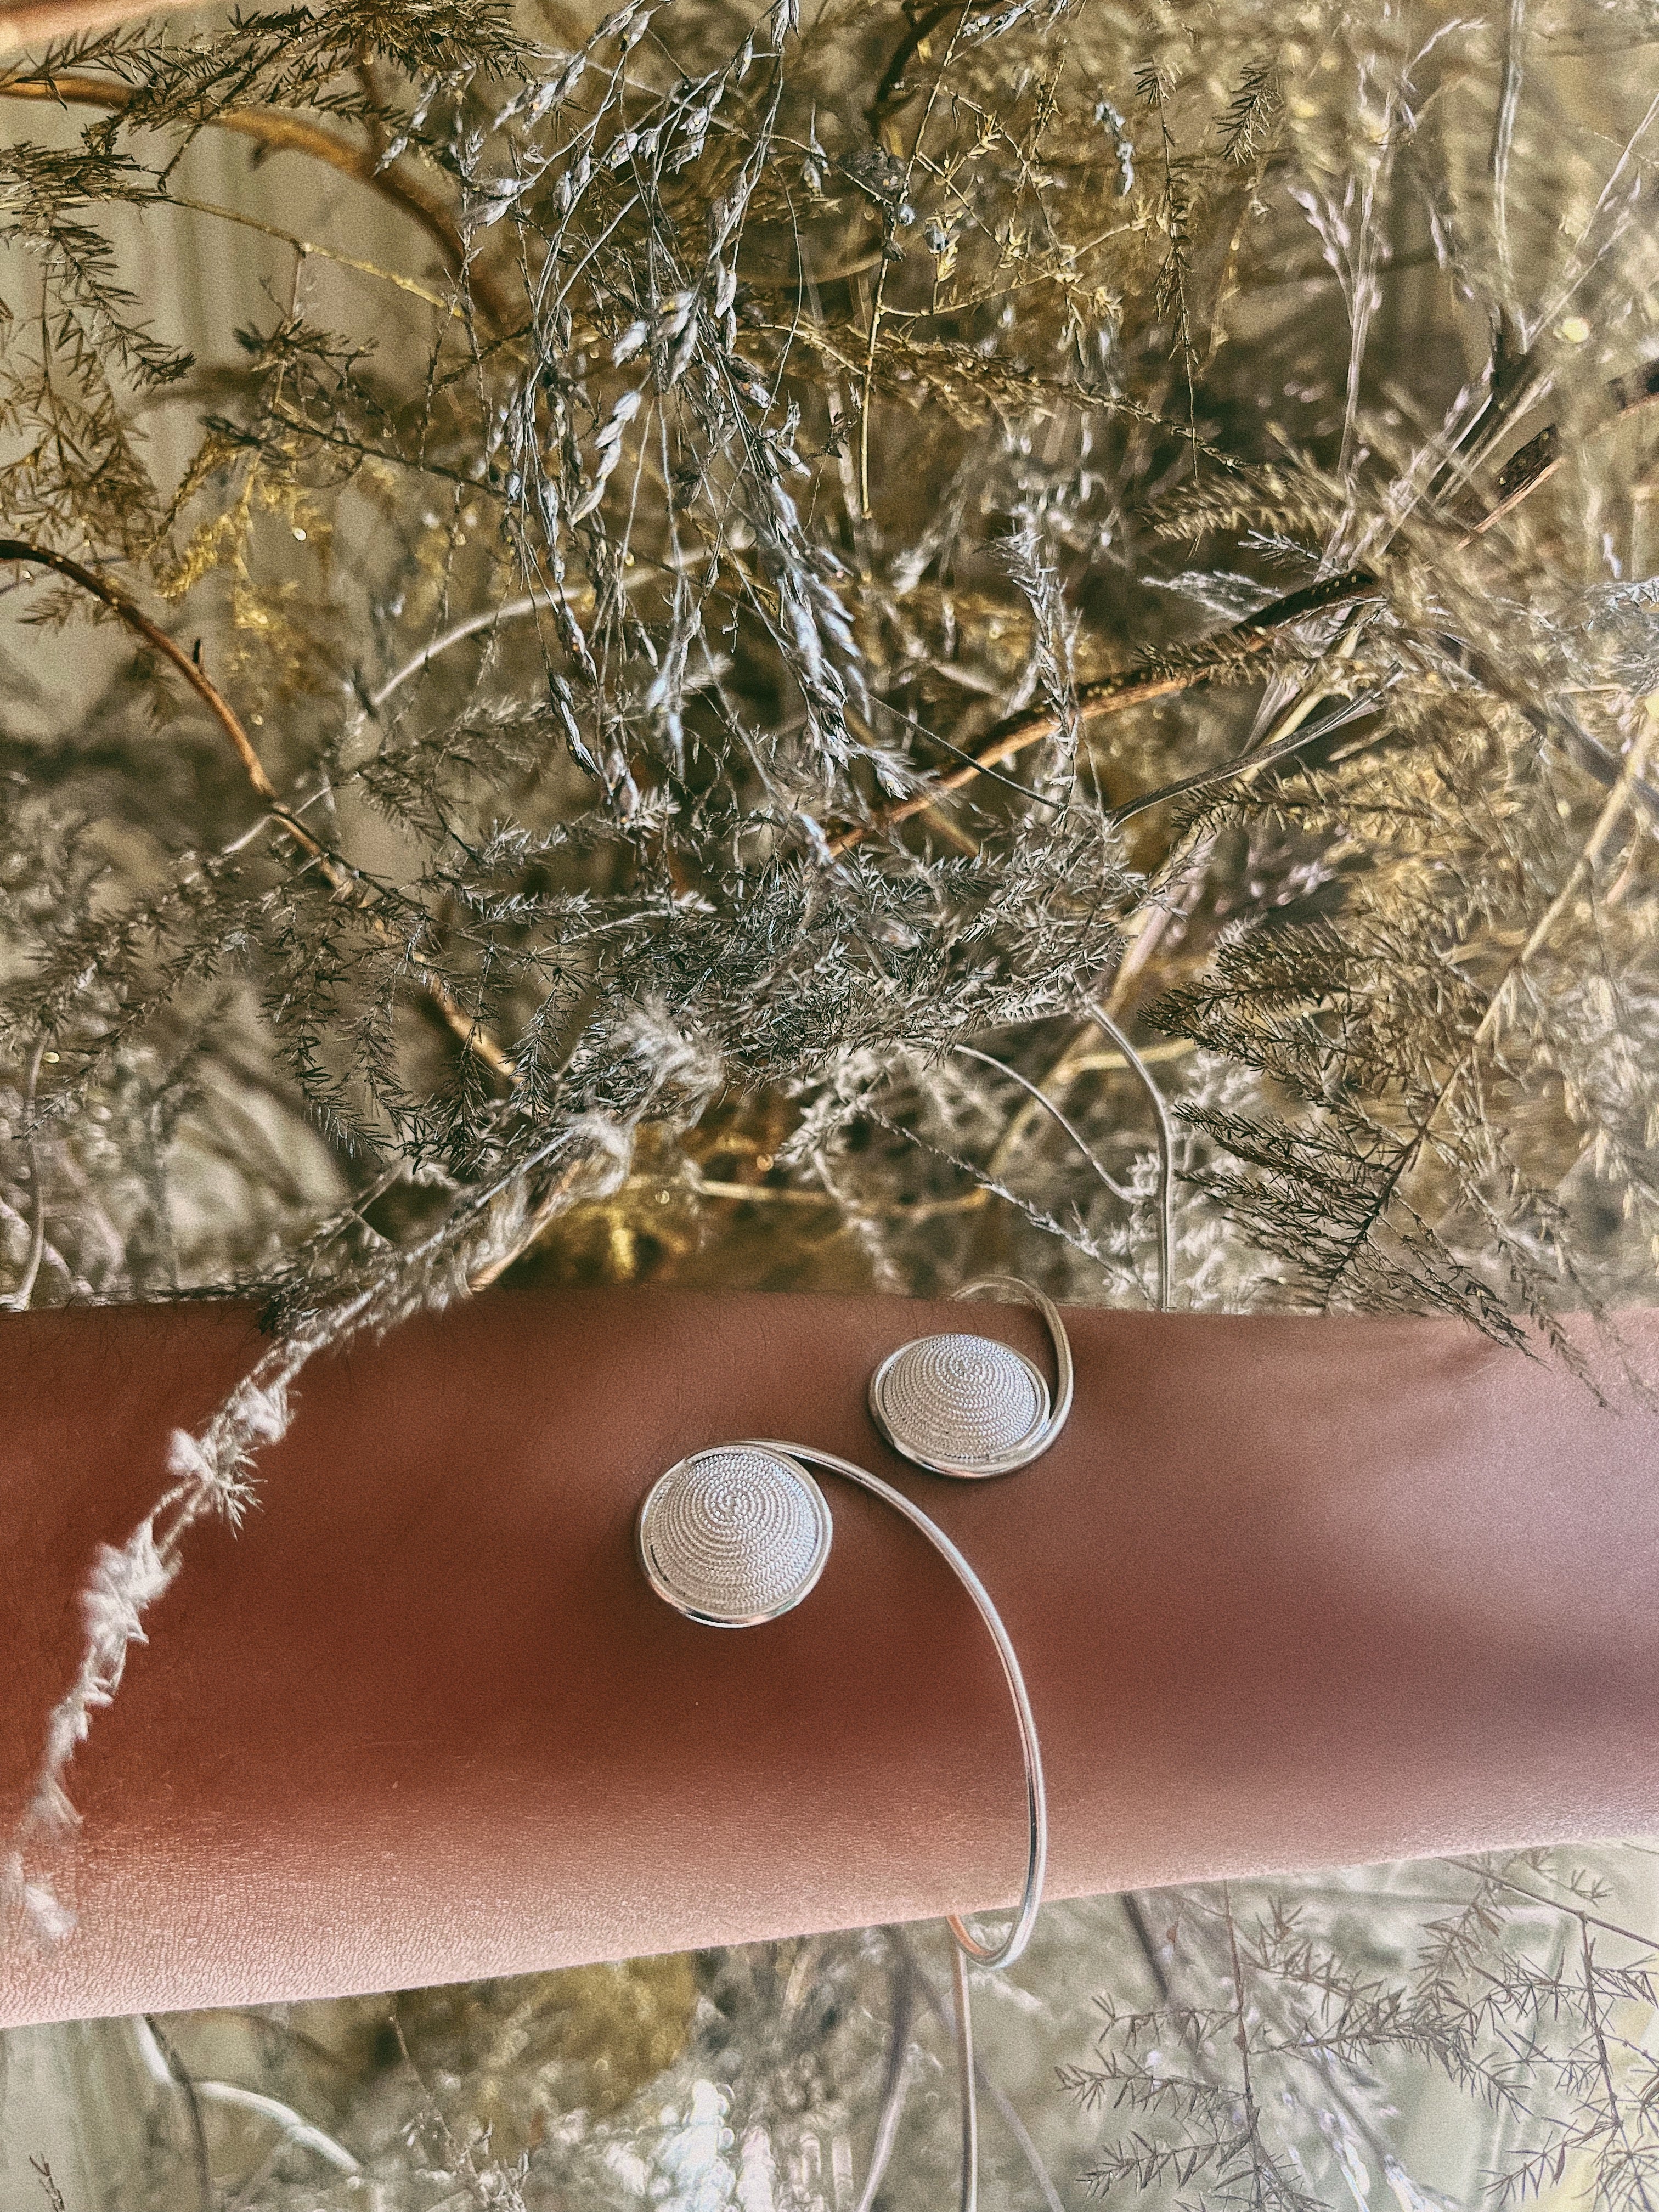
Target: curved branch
[[892, 87], [491, 618], [1040, 1097], [276, 132], [1247, 764], [16, 549], [901, 1984], [340, 879]]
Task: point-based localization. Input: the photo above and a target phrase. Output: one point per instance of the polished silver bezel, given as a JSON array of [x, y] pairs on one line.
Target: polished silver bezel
[[669, 1595], [1059, 1403], [1017, 1454]]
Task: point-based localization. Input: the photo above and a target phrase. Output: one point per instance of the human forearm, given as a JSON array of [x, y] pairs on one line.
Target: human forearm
[[1286, 1592]]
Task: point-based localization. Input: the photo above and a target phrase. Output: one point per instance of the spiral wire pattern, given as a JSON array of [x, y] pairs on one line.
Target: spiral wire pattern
[[734, 1535], [966, 1399], [969, 1405]]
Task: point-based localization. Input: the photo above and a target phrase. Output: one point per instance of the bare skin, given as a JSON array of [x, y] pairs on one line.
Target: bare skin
[[1287, 1593]]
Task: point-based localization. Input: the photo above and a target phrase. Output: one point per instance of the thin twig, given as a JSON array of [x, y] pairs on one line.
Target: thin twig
[[1135, 1913], [935, 1999], [477, 1039], [491, 618], [1165, 1150], [1130, 687], [1582, 872], [1092, 1062], [1531, 465], [1071, 1062], [556, 1198], [1535, 462], [1613, 2104], [19, 1300], [969, 2100], [16, 549], [176, 2072], [1571, 1906], [879, 299], [281, 133], [1055, 1113], [891, 87], [1248, 764], [902, 1982], [164, 2069], [306, 248], [41, 2168], [1260, 2157], [1503, 144]]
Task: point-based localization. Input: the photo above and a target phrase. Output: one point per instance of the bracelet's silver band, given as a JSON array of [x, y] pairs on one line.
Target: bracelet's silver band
[[739, 1534], [1004, 1952]]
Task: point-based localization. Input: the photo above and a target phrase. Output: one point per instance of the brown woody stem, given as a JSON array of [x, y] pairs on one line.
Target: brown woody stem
[[1130, 687], [276, 132], [477, 1039]]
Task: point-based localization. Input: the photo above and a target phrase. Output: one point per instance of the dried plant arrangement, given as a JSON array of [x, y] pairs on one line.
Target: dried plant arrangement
[[1425, 2036], [875, 547], [825, 648]]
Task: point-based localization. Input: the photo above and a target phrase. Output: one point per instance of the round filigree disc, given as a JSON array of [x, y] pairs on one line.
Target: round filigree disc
[[961, 1405], [734, 1536]]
